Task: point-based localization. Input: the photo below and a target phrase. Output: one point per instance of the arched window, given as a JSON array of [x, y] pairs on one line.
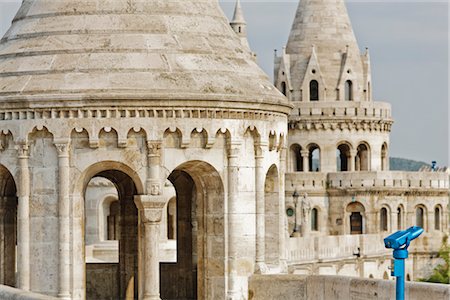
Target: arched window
[[314, 90], [314, 219], [399, 218], [362, 158], [348, 90], [283, 87], [342, 158], [384, 158], [383, 219], [314, 158], [113, 221], [356, 211], [419, 217], [296, 158], [437, 218]]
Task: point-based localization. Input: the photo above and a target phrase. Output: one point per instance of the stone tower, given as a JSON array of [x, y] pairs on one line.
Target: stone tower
[[328, 81], [239, 25], [140, 93]]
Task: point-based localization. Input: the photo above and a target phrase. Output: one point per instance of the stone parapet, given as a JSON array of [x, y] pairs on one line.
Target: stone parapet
[[340, 109], [389, 180], [304, 250], [314, 287]]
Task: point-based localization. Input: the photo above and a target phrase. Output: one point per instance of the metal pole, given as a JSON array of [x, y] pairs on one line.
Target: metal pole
[[399, 272]]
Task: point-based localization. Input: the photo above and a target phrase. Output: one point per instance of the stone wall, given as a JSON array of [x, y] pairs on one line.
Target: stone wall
[[300, 287], [9, 293]]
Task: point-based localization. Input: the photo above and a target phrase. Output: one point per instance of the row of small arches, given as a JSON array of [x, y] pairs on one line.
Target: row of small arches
[[343, 157], [314, 90]]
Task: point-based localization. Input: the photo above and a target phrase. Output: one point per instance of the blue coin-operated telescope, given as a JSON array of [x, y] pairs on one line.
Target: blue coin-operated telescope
[[399, 241]]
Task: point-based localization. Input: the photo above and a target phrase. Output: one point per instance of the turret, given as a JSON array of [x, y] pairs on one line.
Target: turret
[[239, 25]]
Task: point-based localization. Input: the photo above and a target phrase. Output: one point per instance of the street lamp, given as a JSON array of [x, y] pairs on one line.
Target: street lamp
[[296, 232]]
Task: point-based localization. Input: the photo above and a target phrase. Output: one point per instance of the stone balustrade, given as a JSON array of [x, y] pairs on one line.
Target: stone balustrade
[[303, 250], [341, 109], [389, 179], [317, 181], [318, 287]]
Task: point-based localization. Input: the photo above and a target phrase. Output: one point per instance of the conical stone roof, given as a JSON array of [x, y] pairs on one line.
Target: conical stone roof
[[324, 25], [177, 53]]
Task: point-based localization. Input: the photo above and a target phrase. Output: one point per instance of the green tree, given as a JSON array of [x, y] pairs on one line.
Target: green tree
[[441, 273]]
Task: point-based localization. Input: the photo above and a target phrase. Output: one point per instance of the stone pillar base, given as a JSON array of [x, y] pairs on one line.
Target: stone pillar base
[[261, 268]]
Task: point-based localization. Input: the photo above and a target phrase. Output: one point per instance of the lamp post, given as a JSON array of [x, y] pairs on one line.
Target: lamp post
[[295, 232]]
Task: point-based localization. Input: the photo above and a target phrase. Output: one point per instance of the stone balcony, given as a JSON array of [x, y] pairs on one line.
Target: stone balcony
[[305, 250], [367, 180], [341, 109]]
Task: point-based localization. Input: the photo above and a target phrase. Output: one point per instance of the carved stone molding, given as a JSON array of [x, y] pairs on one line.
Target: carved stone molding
[[150, 207]]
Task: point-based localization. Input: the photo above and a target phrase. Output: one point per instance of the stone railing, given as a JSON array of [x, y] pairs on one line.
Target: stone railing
[[306, 181], [389, 179], [9, 293], [304, 250], [341, 109], [318, 287]]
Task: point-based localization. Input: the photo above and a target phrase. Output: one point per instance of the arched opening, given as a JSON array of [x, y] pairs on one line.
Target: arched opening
[[385, 275], [384, 158], [313, 90], [200, 236], [172, 219], [314, 158], [400, 218], [383, 219], [343, 158], [8, 228], [437, 218], [420, 212], [371, 276], [296, 158], [356, 211], [349, 90], [113, 275], [314, 219], [271, 202], [283, 88], [408, 277], [362, 158]]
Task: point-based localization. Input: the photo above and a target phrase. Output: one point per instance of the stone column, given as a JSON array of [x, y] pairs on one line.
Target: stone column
[[23, 219], [305, 157], [63, 219], [283, 226], [151, 210], [233, 207], [351, 161], [260, 266], [153, 172]]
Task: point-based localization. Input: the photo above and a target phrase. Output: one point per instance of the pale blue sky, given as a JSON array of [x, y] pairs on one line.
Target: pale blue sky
[[408, 42]]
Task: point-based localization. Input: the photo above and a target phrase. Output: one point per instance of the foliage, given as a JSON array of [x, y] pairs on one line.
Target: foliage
[[402, 164], [441, 273]]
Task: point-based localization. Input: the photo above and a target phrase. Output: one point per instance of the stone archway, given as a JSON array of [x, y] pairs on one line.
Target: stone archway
[[8, 227], [199, 270], [113, 280]]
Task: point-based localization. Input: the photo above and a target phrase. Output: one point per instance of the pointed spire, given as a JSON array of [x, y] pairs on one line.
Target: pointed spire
[[238, 17]]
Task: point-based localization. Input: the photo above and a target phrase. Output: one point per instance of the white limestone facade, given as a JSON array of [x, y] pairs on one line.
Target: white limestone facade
[[338, 158]]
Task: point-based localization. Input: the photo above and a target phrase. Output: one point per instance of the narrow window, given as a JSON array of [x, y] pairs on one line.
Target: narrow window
[[314, 158], [399, 218], [437, 218], [283, 88], [314, 90], [383, 219], [419, 217], [314, 220], [348, 90]]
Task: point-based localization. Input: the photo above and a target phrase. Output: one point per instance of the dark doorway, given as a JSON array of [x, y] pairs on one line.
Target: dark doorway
[[356, 223], [179, 280], [112, 280]]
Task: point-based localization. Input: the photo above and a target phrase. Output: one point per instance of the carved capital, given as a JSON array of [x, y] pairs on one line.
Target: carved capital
[[260, 149], [233, 149], [304, 153], [150, 207], [154, 148], [62, 148], [22, 149]]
